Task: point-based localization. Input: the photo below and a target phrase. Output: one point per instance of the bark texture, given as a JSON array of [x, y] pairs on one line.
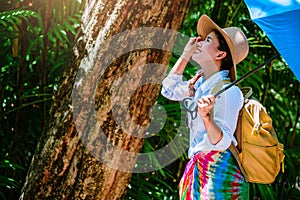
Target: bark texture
[[65, 167]]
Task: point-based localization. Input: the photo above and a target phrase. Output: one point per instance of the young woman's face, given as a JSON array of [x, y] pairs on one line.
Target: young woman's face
[[207, 50]]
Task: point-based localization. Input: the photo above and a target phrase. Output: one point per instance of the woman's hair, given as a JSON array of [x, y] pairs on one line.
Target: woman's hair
[[227, 62]]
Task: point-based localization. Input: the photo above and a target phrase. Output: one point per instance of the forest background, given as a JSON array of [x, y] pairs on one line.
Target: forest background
[[35, 46]]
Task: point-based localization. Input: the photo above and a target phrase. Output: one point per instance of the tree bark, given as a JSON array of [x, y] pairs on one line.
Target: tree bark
[[76, 157]]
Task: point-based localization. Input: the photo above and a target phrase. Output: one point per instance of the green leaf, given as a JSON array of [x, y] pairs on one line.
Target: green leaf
[[69, 27], [58, 34]]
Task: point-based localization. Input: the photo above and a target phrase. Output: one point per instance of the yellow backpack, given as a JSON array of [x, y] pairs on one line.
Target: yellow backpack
[[259, 153]]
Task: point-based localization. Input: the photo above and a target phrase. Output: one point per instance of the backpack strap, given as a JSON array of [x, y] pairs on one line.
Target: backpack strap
[[247, 92], [218, 86], [192, 90], [235, 152]]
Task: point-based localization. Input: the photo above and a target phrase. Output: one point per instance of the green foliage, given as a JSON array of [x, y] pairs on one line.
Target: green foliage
[[8, 183], [34, 52], [152, 186], [14, 17]]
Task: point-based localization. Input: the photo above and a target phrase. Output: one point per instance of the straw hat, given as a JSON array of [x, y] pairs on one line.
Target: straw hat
[[235, 38]]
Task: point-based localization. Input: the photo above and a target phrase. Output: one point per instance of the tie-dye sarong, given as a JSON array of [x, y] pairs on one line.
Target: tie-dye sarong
[[213, 175]]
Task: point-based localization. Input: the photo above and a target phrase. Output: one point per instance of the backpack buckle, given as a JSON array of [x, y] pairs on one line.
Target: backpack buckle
[[256, 128]]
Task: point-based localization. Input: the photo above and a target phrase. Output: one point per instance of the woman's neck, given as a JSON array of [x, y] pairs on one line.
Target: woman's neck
[[210, 70]]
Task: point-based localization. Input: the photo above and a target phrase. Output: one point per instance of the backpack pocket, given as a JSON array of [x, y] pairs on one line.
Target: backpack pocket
[[262, 163]]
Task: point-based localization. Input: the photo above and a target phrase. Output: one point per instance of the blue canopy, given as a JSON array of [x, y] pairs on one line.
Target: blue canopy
[[280, 20]]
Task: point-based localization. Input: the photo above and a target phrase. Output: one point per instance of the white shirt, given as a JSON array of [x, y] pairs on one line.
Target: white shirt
[[226, 109]]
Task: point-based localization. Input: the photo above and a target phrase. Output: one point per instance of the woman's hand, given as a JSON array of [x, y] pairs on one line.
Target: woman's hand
[[188, 51], [205, 104], [190, 47]]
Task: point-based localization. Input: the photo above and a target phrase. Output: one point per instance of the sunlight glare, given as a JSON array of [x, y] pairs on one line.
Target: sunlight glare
[[283, 2]]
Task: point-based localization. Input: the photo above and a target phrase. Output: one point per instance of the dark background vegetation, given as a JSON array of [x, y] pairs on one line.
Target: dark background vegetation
[[36, 40]]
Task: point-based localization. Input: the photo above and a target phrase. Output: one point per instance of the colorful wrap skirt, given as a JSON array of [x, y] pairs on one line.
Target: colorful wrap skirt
[[213, 175]]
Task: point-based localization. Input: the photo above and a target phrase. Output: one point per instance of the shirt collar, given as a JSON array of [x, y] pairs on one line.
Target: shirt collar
[[205, 85]]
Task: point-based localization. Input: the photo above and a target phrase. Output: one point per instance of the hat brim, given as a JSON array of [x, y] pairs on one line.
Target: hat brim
[[204, 27]]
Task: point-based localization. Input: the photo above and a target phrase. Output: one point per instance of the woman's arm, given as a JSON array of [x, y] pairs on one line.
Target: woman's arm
[[174, 88], [221, 126]]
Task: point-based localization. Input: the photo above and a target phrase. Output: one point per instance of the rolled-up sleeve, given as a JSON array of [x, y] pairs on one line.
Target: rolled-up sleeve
[[174, 88], [226, 111]]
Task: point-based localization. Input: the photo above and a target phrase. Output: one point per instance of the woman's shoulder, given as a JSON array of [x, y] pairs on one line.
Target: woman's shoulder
[[231, 98], [234, 92]]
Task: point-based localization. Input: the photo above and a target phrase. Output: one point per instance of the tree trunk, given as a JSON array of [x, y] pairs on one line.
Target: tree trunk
[[101, 107]]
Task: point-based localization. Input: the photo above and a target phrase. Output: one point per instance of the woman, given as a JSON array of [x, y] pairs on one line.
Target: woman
[[212, 172]]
